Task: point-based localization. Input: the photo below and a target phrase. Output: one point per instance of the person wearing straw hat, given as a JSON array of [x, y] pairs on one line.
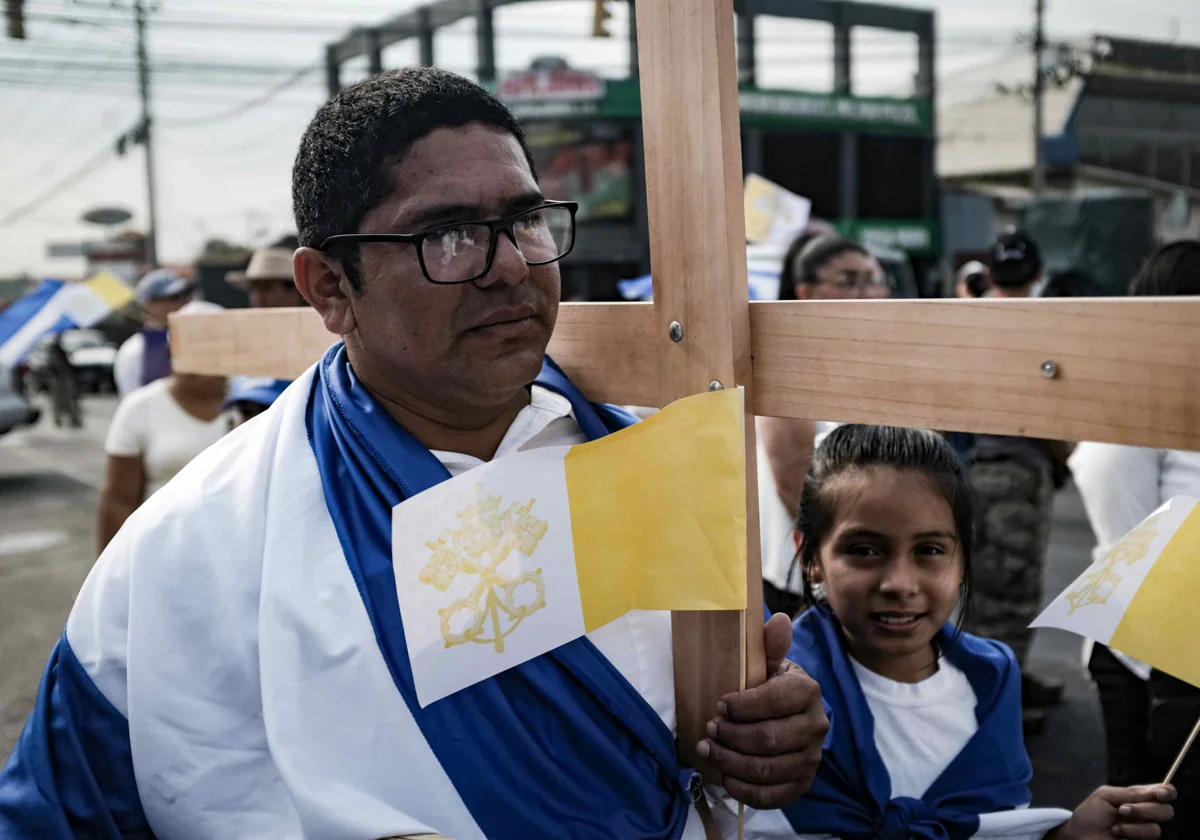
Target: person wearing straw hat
[[268, 280]]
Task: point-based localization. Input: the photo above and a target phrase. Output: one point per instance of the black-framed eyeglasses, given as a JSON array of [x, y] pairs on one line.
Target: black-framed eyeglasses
[[463, 251]]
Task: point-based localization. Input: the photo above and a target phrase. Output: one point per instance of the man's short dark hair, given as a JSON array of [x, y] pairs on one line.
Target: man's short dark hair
[[343, 168]]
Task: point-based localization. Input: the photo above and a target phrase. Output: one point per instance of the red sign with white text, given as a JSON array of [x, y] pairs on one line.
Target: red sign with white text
[[560, 84]]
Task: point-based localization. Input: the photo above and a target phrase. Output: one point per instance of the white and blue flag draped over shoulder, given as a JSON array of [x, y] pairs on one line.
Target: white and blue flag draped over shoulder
[[851, 796], [71, 772], [587, 715], [235, 666]]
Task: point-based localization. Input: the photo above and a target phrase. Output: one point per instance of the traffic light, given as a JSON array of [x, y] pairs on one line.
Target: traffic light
[[600, 18], [14, 10]]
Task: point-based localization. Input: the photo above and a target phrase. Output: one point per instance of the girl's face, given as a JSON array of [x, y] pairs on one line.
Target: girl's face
[[891, 568]]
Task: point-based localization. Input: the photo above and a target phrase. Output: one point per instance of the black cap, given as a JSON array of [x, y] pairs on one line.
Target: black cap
[[1013, 247], [1016, 261]]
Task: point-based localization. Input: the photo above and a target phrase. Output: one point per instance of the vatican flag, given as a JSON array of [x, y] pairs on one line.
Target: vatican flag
[[521, 555], [1140, 598]]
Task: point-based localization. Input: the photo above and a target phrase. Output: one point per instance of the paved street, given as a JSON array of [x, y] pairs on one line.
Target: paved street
[[49, 483], [1068, 758], [49, 488]]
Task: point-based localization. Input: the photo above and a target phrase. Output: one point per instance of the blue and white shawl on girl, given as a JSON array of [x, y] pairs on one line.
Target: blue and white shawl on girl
[[851, 797], [235, 666]]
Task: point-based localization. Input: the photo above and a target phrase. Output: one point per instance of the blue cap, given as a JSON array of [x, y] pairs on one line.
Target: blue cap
[[161, 283], [254, 389]]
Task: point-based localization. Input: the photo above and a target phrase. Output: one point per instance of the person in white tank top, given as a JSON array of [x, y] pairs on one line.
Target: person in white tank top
[[156, 431]]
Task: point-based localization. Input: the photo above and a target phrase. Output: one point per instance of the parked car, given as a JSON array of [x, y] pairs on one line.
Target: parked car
[[15, 409], [91, 354]]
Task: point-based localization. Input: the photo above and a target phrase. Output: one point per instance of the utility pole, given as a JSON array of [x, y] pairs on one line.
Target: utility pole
[[1039, 91], [139, 13]]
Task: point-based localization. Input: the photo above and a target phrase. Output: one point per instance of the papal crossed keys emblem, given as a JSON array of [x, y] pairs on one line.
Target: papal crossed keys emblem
[[1101, 581], [487, 536]]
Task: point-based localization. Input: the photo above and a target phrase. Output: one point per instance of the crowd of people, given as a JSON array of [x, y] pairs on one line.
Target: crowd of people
[[165, 419], [236, 665]]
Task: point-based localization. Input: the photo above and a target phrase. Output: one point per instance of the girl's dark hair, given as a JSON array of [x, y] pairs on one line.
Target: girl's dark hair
[[808, 254], [787, 286], [1173, 269], [854, 447], [978, 283]]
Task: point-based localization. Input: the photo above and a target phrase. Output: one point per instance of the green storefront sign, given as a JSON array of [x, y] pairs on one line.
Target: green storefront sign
[[621, 100], [909, 236]]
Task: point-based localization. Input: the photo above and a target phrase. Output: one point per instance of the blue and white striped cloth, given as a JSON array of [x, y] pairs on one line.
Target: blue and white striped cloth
[[764, 265], [54, 306]]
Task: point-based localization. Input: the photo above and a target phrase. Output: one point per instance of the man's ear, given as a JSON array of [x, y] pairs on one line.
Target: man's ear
[[324, 284]]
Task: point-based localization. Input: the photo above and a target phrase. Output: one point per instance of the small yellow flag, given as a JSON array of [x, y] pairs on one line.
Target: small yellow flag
[[519, 556], [1140, 597], [110, 289]]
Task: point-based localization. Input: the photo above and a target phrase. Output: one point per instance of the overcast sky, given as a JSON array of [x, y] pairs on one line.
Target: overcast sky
[[224, 163]]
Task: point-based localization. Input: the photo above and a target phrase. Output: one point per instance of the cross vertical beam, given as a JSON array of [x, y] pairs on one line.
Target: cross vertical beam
[[692, 142]]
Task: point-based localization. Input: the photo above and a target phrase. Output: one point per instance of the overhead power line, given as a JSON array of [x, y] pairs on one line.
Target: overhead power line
[[75, 177], [250, 104], [329, 27], [196, 68]]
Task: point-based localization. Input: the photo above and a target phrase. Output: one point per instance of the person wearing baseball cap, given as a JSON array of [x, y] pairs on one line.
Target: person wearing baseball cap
[[145, 357], [250, 396], [1016, 264], [268, 280]]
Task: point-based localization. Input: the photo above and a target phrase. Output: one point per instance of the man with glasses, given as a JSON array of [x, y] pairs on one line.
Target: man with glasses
[[235, 665], [833, 268]]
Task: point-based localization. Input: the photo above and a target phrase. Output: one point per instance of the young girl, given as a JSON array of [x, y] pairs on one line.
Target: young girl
[[925, 739]]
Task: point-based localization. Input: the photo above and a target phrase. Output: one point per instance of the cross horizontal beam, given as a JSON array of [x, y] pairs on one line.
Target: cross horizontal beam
[[1125, 370]]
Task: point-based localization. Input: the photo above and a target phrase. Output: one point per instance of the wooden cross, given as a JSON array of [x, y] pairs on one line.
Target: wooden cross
[[1118, 370]]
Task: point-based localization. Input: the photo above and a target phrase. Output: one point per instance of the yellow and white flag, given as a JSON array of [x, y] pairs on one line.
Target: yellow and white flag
[[519, 556], [1140, 598]]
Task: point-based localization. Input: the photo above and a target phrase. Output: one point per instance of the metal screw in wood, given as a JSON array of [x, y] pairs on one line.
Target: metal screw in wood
[[715, 386], [675, 330], [1049, 369]]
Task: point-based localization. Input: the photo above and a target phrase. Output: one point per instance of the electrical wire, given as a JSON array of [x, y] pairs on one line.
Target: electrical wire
[[75, 177], [250, 104], [328, 26]]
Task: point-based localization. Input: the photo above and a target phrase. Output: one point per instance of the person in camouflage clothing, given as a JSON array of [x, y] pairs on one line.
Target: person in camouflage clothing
[[1015, 479]]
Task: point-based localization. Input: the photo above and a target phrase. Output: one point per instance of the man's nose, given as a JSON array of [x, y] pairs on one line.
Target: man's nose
[[508, 264]]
